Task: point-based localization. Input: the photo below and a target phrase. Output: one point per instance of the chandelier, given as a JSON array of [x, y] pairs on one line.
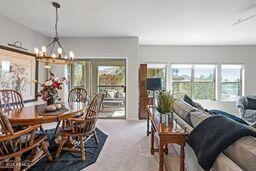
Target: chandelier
[[54, 53]]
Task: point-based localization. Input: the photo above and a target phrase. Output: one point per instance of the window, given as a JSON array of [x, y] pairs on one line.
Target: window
[[196, 81], [231, 82], [181, 80], [79, 76], [157, 70], [204, 82]]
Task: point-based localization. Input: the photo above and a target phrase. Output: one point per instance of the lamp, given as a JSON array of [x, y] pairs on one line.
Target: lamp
[[154, 84]]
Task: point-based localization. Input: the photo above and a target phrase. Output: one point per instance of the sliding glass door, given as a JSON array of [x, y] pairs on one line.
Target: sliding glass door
[[106, 76]]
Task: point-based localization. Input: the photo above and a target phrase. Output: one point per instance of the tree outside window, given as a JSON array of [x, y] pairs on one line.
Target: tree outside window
[[231, 82], [196, 81]]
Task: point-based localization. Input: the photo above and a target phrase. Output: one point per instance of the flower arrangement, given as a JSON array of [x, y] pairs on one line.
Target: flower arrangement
[[49, 92]]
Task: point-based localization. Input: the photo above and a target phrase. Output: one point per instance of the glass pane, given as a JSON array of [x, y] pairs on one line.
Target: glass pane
[[156, 72], [111, 75], [204, 91], [69, 75], [79, 75], [5, 67], [230, 91], [204, 72], [231, 73], [181, 88], [181, 72]]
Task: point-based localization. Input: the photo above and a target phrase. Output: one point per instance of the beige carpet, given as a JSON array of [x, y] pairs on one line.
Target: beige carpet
[[127, 148]]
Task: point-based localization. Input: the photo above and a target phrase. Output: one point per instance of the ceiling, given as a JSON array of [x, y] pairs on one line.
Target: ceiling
[[173, 22]]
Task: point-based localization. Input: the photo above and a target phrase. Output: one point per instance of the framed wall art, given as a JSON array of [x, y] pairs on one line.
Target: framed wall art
[[18, 69]]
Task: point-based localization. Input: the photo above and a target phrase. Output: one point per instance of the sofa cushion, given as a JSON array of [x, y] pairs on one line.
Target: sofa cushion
[[243, 152], [183, 109], [197, 117], [219, 112]]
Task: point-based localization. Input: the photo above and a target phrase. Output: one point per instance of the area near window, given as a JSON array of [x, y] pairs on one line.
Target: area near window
[[196, 81], [231, 82], [157, 70]]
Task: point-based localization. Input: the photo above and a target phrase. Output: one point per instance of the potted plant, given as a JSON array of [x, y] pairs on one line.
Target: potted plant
[[165, 106]]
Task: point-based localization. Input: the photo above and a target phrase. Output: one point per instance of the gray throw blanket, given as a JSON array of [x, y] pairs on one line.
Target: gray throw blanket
[[213, 135]]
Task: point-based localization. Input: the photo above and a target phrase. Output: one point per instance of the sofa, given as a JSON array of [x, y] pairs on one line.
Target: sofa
[[241, 155], [247, 108]]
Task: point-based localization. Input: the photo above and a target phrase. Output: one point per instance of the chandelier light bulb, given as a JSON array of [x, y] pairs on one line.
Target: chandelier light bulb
[[36, 50], [43, 49], [53, 55], [71, 54], [59, 50]]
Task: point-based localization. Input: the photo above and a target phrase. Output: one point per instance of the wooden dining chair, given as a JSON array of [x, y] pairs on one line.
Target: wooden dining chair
[[82, 128], [78, 95], [10, 100], [14, 144]]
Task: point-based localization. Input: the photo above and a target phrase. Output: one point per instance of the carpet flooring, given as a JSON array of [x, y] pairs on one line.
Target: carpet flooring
[[127, 148]]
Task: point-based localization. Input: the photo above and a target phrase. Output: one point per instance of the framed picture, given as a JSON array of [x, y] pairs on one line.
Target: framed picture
[[18, 69]]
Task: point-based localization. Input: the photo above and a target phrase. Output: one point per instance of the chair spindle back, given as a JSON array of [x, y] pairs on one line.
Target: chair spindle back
[[77, 95], [95, 105], [10, 100]]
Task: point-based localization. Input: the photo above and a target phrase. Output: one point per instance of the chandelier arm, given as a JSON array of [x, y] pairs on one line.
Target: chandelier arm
[[50, 43], [64, 51], [52, 47]]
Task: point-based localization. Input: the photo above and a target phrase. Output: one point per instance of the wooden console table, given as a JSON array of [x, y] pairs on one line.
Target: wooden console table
[[173, 133]]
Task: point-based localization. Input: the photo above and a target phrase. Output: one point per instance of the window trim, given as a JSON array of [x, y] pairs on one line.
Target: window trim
[[242, 80]]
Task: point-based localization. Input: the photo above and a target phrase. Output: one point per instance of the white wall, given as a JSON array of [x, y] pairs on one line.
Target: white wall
[[207, 54], [11, 32], [123, 47]]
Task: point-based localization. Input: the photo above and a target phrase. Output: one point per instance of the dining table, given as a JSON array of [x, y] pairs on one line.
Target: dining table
[[37, 114]]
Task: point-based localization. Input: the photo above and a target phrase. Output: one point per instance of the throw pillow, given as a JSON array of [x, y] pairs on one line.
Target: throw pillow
[[235, 118], [192, 103], [198, 106], [197, 117], [251, 103], [188, 100]]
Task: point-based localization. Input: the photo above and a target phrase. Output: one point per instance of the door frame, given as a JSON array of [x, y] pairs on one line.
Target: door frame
[[125, 58]]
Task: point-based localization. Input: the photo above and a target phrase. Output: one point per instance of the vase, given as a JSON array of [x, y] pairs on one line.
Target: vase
[[51, 101], [166, 119]]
